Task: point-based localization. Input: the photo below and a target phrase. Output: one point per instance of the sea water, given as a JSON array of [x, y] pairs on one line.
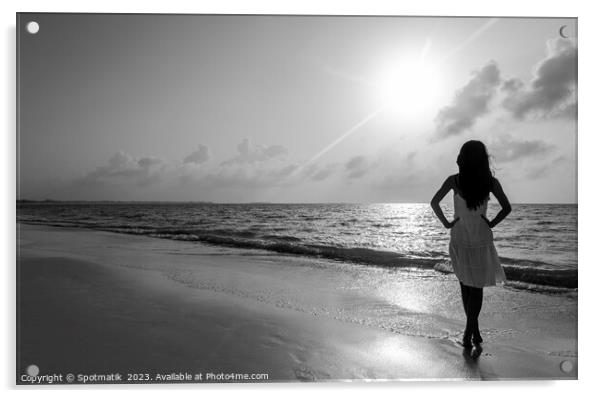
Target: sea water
[[537, 243]]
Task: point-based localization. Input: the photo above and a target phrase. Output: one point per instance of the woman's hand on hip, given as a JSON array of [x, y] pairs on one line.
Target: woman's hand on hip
[[489, 223], [449, 225]]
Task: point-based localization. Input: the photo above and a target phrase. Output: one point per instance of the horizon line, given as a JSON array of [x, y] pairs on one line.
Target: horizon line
[[253, 202]]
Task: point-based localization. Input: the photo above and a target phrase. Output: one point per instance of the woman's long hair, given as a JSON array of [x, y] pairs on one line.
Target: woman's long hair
[[475, 179]]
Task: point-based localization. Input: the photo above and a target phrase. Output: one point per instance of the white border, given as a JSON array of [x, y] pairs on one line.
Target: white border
[[589, 143]]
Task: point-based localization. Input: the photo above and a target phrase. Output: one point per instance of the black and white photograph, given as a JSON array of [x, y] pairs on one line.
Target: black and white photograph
[[237, 198]]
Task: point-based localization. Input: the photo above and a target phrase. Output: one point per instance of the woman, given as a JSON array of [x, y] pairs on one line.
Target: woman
[[473, 255]]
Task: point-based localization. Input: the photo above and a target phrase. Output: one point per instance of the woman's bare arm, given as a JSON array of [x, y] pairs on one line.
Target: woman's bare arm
[[499, 194], [439, 195]]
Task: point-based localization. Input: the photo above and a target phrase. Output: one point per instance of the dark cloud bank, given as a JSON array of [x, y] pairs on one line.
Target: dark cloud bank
[[250, 153], [470, 102], [549, 94], [124, 168], [507, 149], [357, 167], [201, 155]]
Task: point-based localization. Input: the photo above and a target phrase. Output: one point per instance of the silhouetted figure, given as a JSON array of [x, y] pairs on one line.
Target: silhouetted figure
[[473, 255]]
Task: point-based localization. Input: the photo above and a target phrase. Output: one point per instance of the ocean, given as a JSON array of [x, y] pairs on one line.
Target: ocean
[[537, 243]]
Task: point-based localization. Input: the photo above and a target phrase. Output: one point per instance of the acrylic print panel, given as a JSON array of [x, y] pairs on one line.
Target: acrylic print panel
[[250, 199]]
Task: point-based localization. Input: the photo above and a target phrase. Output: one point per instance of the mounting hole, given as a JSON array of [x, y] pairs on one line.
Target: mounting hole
[[33, 27], [566, 366], [33, 370]]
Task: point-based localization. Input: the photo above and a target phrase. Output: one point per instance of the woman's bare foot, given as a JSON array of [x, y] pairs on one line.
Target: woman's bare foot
[[476, 338]]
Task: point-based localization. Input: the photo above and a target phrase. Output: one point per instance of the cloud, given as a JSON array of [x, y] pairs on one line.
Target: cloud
[[200, 155], [248, 178], [544, 170], [551, 92], [249, 169], [470, 102], [147, 163], [568, 112], [314, 172], [506, 149], [249, 153], [124, 168], [399, 171], [283, 171], [324, 172], [356, 167], [538, 172]]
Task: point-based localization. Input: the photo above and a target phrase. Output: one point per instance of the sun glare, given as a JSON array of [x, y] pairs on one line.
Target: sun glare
[[410, 89]]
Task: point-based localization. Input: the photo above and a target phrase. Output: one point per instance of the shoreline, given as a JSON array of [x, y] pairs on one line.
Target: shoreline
[[93, 301], [540, 278]]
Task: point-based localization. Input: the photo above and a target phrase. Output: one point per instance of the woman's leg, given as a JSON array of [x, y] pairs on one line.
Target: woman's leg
[[464, 290], [475, 303]]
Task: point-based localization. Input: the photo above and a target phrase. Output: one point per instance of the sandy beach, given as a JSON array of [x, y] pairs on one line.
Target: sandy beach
[[101, 302]]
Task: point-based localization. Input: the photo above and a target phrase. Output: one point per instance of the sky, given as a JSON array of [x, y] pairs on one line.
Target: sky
[[292, 108]]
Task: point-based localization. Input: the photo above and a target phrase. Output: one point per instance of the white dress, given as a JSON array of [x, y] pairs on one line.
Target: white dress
[[473, 255]]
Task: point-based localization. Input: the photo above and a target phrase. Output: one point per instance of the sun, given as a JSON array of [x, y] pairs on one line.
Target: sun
[[410, 89]]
